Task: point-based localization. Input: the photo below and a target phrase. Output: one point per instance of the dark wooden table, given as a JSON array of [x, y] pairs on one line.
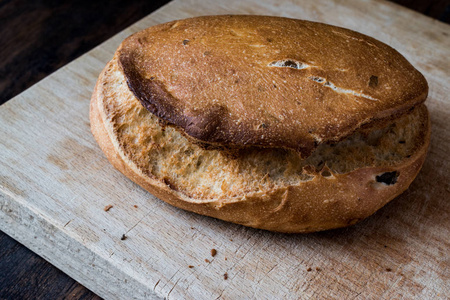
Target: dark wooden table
[[37, 38]]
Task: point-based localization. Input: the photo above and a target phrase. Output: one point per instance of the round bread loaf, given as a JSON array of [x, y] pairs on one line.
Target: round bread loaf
[[273, 123]]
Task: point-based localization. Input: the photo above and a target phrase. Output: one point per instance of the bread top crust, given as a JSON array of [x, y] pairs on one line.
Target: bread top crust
[[238, 81]]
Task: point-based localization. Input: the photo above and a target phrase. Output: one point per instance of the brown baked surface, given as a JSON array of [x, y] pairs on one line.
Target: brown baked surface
[[236, 81], [273, 189]]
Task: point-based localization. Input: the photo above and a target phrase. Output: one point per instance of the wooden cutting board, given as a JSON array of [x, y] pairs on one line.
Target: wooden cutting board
[[55, 183]]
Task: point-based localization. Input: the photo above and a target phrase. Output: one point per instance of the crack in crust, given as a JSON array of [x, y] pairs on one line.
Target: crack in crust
[[337, 89]]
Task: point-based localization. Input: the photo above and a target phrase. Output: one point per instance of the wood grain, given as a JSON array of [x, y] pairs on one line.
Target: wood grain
[[37, 38], [57, 192], [27, 276]]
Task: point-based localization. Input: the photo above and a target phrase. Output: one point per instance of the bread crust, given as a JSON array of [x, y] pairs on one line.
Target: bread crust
[[322, 203], [244, 81]]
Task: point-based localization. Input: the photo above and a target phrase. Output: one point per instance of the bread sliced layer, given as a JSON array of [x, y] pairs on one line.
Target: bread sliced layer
[[273, 189]]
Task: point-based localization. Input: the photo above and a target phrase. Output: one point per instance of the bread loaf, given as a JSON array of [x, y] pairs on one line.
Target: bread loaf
[[268, 122]]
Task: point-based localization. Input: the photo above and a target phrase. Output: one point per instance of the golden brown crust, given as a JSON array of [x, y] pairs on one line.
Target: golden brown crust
[[323, 202], [236, 81]]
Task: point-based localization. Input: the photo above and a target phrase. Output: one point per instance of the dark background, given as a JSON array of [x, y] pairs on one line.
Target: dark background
[[36, 39]]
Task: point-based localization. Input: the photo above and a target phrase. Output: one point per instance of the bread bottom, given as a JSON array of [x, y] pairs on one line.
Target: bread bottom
[[271, 189]]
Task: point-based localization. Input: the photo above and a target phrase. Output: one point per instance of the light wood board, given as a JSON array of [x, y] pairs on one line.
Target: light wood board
[[55, 182]]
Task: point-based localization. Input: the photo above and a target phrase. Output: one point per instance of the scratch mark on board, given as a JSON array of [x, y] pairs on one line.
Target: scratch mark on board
[[172, 288], [146, 215], [156, 284], [68, 223]]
